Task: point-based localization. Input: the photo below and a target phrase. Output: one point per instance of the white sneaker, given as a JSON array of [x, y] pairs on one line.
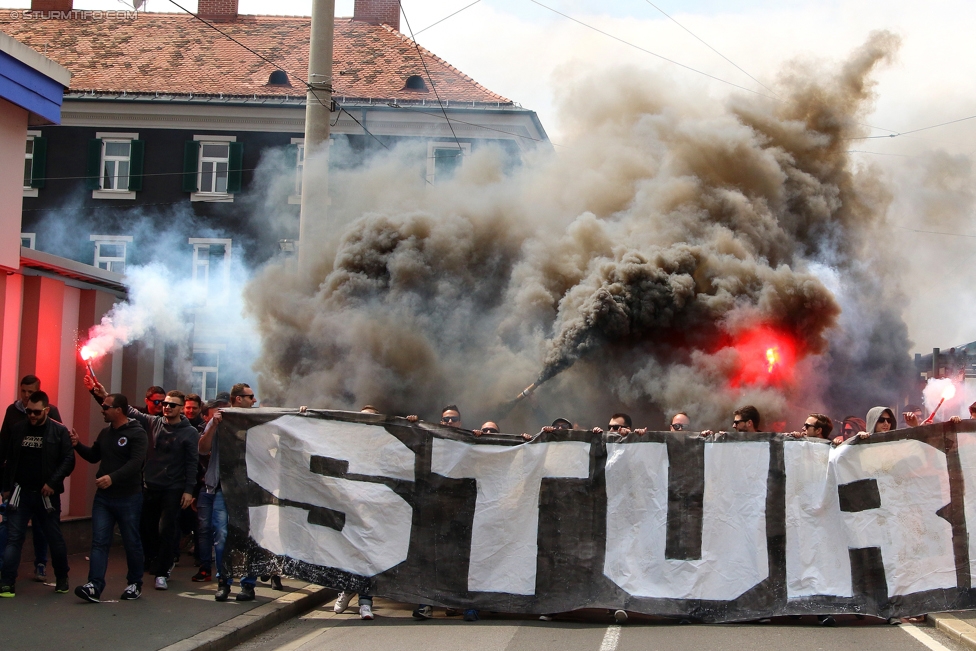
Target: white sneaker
[[365, 611], [161, 583], [342, 602]]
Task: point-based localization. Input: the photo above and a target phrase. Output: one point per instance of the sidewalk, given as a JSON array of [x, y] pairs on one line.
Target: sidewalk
[[39, 618], [959, 625]]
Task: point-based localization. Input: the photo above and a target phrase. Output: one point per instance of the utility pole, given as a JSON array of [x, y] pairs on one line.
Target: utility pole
[[313, 223]]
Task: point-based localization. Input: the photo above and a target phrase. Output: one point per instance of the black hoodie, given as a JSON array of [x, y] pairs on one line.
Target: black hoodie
[[122, 453], [172, 458]]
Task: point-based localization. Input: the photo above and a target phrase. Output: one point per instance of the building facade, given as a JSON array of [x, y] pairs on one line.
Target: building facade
[[169, 128]]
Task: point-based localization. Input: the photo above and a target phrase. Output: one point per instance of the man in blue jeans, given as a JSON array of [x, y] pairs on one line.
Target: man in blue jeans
[[241, 395], [120, 451], [205, 502], [37, 457]]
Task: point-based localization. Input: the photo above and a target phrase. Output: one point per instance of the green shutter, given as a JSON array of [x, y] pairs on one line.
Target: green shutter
[[39, 164], [137, 154], [191, 158], [234, 166], [94, 171], [292, 157]]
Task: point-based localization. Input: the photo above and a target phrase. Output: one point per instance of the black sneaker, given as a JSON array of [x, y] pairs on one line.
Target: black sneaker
[[202, 576], [246, 593], [61, 586], [87, 592], [133, 591], [423, 612], [276, 583], [223, 591]]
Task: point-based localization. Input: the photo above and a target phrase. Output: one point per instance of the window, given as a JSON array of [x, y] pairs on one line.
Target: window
[[214, 159], [211, 268], [296, 155], [110, 251], [35, 157], [27, 240], [444, 159], [115, 165], [205, 368], [212, 168]]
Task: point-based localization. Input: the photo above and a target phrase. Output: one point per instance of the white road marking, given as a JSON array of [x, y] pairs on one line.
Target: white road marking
[[294, 645], [610, 638], [924, 637]]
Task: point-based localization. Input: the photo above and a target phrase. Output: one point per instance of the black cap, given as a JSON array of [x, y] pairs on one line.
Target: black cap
[[562, 420]]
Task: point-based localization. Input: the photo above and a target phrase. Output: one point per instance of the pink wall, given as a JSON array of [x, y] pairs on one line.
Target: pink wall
[[13, 139]]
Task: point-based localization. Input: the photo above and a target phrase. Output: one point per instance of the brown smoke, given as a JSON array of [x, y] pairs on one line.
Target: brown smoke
[[627, 263]]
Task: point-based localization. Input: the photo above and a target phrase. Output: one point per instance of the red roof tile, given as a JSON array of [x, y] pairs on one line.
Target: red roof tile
[[178, 54]]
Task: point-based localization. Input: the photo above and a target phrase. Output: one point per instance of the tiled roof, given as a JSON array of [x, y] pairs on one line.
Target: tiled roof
[[178, 54]]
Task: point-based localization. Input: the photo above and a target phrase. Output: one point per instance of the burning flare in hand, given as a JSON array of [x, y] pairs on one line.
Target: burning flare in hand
[[87, 354], [947, 394]]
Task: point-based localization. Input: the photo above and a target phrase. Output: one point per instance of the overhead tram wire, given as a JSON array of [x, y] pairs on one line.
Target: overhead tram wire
[[655, 54], [739, 68], [905, 133], [421, 31], [308, 86], [724, 81], [433, 86]]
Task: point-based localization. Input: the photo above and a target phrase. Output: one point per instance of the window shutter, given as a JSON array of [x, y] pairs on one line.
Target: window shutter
[[94, 172], [191, 157], [234, 166], [137, 154], [39, 164]]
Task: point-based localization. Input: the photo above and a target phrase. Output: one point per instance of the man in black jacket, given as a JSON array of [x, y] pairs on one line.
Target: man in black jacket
[[171, 473], [15, 414], [37, 458], [120, 451]]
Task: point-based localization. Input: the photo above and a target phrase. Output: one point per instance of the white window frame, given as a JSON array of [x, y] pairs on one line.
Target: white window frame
[[205, 370], [443, 144], [101, 192], [29, 191], [222, 197], [113, 240], [31, 239], [199, 266], [296, 198]]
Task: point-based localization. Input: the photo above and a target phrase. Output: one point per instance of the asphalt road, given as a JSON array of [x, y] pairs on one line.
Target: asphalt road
[[393, 628]]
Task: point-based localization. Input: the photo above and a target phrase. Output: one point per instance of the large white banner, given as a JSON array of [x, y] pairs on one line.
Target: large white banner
[[718, 529]]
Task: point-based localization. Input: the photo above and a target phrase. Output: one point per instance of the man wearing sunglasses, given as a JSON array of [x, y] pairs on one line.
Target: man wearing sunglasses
[[212, 497], [16, 413], [619, 424], [36, 460], [817, 426], [120, 451], [680, 422], [154, 400], [170, 474], [879, 420]]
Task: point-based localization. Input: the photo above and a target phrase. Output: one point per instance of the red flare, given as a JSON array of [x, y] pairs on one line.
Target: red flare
[[764, 357]]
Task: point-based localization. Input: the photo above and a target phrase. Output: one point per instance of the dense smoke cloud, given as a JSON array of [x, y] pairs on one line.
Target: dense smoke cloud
[[629, 266]]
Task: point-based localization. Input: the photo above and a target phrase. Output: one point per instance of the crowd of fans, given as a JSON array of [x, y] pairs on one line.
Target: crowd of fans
[[158, 480]]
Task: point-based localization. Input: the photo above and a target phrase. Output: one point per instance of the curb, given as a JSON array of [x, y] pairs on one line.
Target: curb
[[239, 629], [957, 629]]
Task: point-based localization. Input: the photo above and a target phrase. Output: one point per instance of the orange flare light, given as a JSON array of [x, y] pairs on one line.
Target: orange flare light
[[772, 356], [87, 353]]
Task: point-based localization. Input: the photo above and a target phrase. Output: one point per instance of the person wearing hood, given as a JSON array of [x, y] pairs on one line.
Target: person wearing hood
[[878, 421], [170, 475], [120, 451]]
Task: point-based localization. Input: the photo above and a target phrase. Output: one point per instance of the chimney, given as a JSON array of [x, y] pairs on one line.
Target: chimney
[[217, 10], [378, 12], [51, 5]]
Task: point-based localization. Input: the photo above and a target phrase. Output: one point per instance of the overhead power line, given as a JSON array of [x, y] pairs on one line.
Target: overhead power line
[[710, 47], [421, 31], [430, 80]]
